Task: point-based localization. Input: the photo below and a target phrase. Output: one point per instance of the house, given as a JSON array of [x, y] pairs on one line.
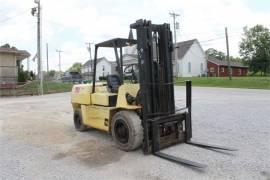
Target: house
[[103, 68], [189, 59], [129, 59], [10, 60], [219, 68]]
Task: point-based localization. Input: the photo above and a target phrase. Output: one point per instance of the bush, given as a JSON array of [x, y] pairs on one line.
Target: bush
[[102, 78], [22, 76]]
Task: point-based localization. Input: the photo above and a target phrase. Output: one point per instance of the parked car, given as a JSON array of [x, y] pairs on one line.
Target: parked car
[[74, 77]]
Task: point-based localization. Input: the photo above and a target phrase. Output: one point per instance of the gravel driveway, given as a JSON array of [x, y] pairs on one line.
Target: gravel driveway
[[38, 141]]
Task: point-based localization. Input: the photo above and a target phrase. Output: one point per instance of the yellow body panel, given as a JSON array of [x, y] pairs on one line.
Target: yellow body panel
[[98, 117], [80, 93], [100, 98], [94, 106], [132, 89]]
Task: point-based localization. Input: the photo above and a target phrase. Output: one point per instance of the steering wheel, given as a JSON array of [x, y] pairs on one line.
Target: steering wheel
[[130, 73]]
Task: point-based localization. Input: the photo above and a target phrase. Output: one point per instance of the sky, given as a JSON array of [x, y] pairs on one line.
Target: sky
[[68, 25]]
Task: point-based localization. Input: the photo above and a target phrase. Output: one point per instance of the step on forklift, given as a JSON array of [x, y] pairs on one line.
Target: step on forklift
[[141, 111]]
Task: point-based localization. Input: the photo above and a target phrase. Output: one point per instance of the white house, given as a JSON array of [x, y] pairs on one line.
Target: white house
[[129, 59], [189, 59], [103, 68]]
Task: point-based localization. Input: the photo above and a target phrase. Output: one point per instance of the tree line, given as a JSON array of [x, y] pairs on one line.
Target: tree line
[[254, 50]]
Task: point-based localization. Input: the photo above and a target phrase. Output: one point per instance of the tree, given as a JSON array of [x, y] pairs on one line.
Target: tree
[[51, 73], [215, 53], [32, 75], [23, 76], [76, 67], [255, 48], [211, 52]]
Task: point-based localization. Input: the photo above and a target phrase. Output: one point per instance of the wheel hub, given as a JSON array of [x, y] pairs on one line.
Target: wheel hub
[[121, 131]]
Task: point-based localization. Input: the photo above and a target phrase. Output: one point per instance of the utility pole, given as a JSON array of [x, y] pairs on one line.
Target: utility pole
[[47, 55], [228, 54], [90, 54], [174, 15], [59, 57], [36, 11]]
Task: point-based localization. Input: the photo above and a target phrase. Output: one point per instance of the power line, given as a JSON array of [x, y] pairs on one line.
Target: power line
[[221, 36], [12, 17]]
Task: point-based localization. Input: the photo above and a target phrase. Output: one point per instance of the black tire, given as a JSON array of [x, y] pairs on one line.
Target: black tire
[[127, 131], [78, 121]]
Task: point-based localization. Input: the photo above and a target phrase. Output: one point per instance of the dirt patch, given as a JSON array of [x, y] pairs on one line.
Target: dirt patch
[[46, 130], [93, 153], [37, 130]]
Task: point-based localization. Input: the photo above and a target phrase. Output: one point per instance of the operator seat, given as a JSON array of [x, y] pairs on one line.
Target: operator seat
[[113, 83]]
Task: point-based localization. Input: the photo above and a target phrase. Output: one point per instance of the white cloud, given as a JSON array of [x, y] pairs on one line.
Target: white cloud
[[96, 21]]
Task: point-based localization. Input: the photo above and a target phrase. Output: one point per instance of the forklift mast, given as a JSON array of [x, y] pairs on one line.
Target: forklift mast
[[154, 44], [162, 125]]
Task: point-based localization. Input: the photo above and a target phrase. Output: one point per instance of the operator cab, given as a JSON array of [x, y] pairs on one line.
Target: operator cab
[[108, 97]]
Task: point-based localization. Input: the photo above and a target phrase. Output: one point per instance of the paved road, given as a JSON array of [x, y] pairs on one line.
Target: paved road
[[38, 141]]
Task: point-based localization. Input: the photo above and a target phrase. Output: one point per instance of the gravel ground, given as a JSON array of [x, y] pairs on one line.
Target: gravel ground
[[38, 141]]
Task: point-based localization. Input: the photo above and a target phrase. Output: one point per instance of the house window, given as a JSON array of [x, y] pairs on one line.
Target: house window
[[201, 67], [212, 69], [222, 69], [239, 71], [103, 68], [189, 67]]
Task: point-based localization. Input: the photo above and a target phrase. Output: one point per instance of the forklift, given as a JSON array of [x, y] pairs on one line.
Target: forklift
[[140, 112]]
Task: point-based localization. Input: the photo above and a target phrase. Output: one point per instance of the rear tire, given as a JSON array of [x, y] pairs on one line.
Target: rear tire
[[127, 131], [78, 121]]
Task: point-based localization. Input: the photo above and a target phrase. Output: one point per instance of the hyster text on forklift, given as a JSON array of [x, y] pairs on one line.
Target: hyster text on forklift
[[139, 112]]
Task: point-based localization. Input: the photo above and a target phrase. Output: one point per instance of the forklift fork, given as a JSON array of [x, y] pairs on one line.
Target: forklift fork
[[187, 134]]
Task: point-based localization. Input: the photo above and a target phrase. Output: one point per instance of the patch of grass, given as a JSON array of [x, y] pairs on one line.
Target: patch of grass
[[236, 82], [48, 87]]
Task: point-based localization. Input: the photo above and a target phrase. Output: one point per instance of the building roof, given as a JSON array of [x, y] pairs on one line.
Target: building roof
[[132, 60], [183, 47], [225, 63], [20, 54], [88, 63]]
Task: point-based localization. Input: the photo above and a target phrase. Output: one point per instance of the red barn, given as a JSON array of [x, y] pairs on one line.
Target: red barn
[[218, 68]]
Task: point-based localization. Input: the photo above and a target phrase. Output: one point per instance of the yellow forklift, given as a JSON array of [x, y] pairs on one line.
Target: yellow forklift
[[139, 112]]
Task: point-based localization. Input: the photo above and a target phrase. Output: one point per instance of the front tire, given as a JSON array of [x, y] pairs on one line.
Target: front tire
[[127, 131], [78, 121]]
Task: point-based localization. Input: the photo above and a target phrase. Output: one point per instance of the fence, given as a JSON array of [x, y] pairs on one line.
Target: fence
[[17, 89]]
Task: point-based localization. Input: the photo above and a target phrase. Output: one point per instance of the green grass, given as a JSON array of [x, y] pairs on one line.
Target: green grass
[[236, 82], [49, 87]]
